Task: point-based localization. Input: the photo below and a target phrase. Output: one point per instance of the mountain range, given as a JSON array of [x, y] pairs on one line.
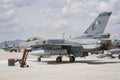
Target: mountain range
[[11, 43]]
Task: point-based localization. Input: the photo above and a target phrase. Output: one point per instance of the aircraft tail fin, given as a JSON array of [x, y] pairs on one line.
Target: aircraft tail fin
[[99, 24]]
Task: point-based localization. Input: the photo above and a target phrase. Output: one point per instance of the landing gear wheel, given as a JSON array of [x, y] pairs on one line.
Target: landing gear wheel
[[27, 66], [72, 58], [59, 59], [38, 59]]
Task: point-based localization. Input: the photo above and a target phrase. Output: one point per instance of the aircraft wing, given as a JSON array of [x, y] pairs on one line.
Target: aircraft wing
[[83, 47], [55, 46]]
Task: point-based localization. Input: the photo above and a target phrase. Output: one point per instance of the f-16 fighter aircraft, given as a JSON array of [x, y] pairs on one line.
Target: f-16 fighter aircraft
[[75, 47]]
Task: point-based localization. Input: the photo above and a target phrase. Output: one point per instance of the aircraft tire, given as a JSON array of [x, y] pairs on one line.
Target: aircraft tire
[[59, 59], [72, 58]]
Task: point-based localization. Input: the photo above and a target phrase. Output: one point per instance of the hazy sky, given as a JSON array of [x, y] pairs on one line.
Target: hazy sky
[[21, 19]]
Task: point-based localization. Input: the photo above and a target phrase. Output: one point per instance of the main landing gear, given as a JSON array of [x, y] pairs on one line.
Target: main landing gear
[[72, 58], [39, 59], [59, 59]]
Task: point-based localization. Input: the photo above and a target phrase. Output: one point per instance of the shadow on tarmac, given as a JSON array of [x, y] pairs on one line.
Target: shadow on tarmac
[[92, 62]]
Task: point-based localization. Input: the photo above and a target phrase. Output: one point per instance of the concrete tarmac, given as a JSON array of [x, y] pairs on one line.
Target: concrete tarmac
[[89, 68]]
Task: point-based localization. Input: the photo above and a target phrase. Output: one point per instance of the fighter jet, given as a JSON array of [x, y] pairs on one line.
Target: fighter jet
[[75, 47]]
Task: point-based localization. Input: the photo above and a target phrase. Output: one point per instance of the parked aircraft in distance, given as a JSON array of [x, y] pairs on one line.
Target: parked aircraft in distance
[[116, 43], [114, 49], [75, 47]]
